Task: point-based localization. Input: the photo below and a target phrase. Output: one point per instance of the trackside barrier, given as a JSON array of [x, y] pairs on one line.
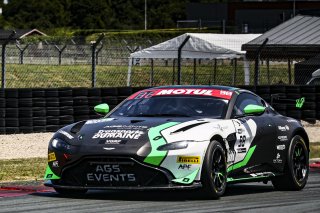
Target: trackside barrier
[[46, 110]]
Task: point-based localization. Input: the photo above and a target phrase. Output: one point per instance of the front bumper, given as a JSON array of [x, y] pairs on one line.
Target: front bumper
[[194, 185], [101, 172]]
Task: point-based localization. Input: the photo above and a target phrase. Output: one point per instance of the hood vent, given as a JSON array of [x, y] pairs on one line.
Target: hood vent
[[183, 129], [136, 121], [77, 127]]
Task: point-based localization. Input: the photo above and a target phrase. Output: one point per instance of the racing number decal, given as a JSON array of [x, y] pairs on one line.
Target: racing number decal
[[245, 132], [242, 141]]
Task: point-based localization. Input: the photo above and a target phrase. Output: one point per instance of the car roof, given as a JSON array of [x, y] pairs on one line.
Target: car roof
[[316, 73]]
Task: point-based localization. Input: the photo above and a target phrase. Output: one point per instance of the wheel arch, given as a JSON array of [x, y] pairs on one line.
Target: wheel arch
[[303, 134], [220, 139]]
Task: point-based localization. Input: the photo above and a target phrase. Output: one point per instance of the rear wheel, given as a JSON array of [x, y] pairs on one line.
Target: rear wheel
[[296, 168], [214, 171], [70, 192]]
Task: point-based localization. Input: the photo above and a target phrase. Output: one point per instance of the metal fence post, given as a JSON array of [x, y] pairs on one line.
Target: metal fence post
[[93, 65], [173, 71], [234, 77], [60, 52], [3, 66], [151, 74], [257, 60], [21, 51], [97, 54], [194, 70], [289, 71], [3, 60], [94, 45], [179, 58]]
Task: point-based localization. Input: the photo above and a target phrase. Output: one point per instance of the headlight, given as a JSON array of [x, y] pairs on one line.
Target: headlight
[[173, 146], [60, 144]]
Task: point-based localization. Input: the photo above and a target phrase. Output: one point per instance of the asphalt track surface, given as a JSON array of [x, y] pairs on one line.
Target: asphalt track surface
[[253, 197]]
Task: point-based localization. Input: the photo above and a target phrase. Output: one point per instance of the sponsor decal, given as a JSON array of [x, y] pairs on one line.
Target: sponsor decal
[[292, 121], [183, 91], [240, 131], [281, 147], [142, 94], [282, 138], [242, 150], [66, 134], [112, 142], [204, 92], [283, 128], [231, 156], [300, 102], [55, 163], [51, 157], [109, 173], [184, 166], [122, 134], [126, 127], [237, 122], [96, 121], [221, 128], [188, 159], [277, 160]]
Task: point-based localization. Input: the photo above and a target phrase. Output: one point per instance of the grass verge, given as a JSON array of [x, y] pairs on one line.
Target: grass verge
[[34, 168], [37, 75], [22, 169], [315, 150]]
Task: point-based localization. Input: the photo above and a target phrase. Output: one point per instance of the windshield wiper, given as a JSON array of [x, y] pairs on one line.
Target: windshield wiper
[[161, 115], [143, 115], [172, 115]]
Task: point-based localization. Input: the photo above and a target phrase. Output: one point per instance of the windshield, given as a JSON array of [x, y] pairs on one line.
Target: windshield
[[169, 106]]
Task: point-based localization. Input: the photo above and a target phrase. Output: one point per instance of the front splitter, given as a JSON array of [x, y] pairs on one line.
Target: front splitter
[[195, 185]]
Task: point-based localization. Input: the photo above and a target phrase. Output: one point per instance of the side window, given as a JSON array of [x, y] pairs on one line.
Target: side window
[[243, 100]]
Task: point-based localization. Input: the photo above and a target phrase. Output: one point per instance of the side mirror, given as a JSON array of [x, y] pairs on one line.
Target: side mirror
[[102, 109], [252, 109]]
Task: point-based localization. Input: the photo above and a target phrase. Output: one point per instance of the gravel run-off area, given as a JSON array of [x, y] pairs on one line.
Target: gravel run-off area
[[35, 144]]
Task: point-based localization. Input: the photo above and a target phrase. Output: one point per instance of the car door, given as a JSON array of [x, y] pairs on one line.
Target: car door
[[252, 131]]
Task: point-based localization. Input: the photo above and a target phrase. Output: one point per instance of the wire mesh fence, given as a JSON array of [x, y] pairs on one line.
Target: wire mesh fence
[[71, 63]]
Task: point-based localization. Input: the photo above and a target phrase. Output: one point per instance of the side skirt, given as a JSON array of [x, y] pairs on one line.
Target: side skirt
[[254, 177]]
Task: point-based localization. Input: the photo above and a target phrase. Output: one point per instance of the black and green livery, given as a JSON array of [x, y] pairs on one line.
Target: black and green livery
[[180, 137]]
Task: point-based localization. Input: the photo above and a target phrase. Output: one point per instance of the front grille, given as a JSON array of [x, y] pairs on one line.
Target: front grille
[[112, 172]]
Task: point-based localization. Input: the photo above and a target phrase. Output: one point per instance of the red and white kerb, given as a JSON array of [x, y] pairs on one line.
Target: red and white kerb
[[224, 94]]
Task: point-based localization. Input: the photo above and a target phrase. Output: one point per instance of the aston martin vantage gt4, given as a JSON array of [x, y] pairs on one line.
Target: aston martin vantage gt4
[[180, 137]]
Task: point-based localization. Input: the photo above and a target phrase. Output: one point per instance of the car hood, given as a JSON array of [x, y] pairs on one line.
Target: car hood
[[138, 136], [117, 135]]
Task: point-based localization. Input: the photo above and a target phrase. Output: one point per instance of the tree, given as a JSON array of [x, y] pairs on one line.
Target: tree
[[91, 14], [35, 14], [94, 14]]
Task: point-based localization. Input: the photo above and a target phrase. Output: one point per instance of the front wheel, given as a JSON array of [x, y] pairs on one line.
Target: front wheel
[[296, 170], [214, 171]]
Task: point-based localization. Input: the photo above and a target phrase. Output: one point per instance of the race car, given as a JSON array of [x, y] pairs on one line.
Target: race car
[[180, 137]]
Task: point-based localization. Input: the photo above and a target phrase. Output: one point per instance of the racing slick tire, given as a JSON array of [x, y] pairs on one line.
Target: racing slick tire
[[70, 192], [296, 169], [214, 171]]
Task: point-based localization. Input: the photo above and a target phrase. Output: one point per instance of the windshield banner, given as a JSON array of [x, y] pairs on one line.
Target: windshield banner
[[224, 94]]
